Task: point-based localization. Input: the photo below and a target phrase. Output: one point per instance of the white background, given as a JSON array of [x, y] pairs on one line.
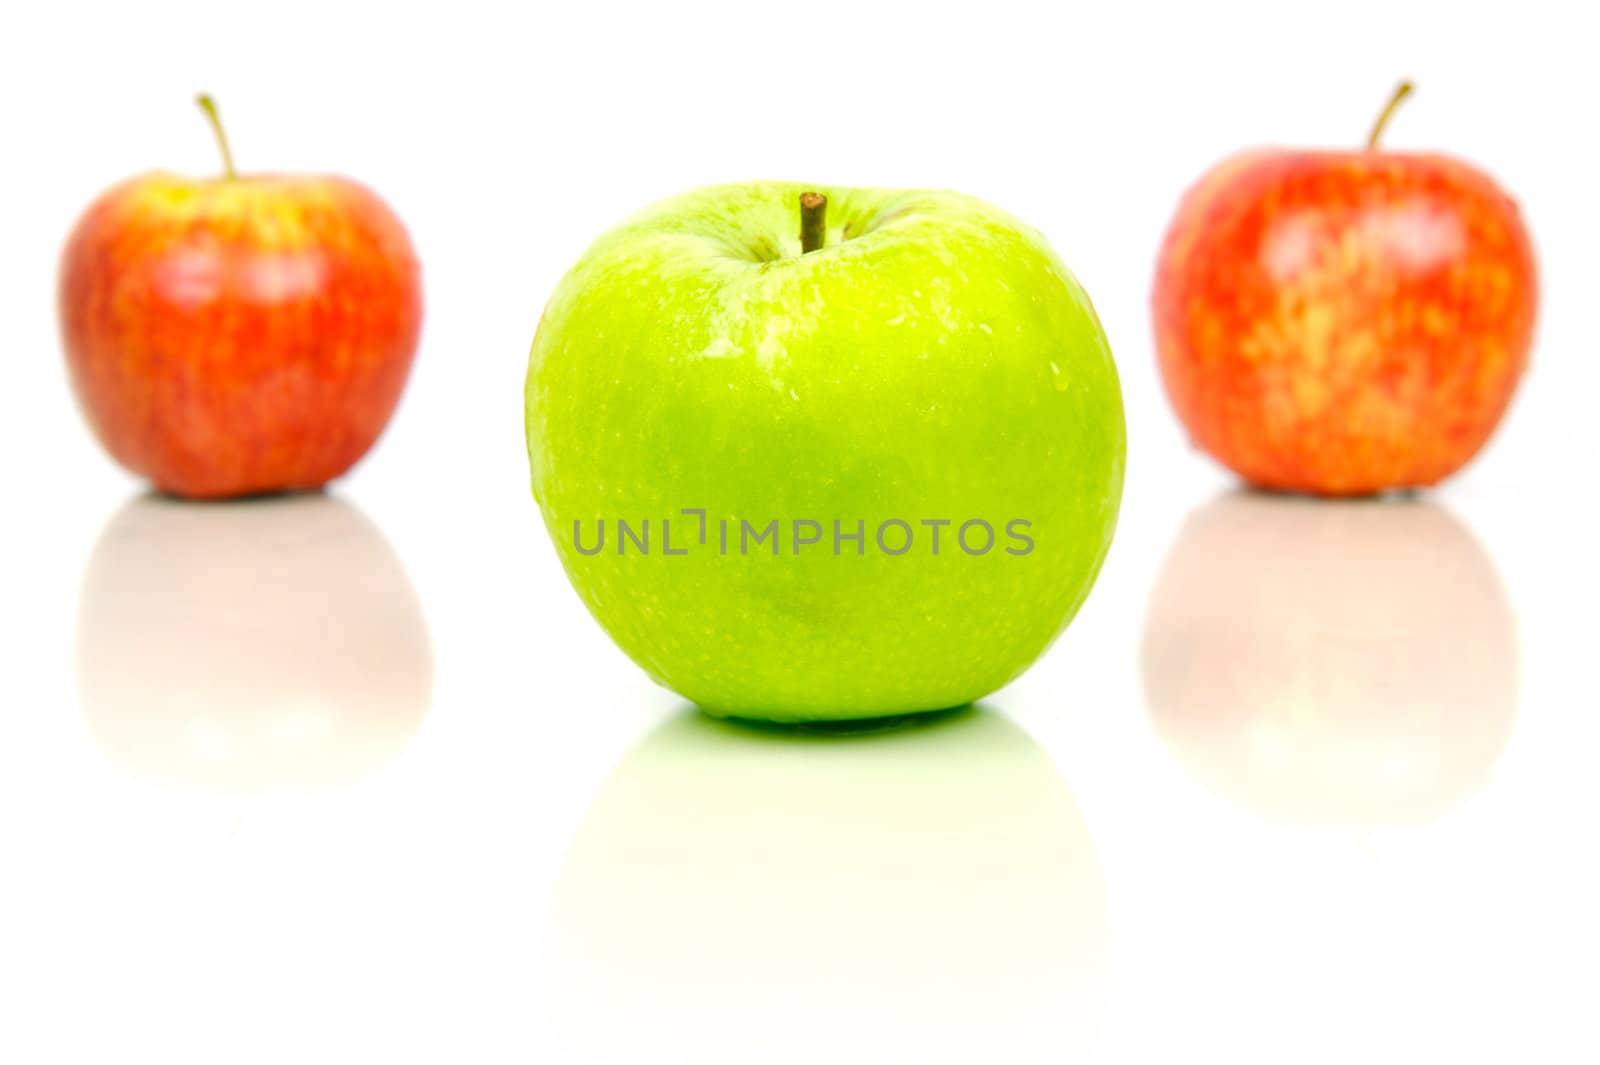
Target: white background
[[420, 907]]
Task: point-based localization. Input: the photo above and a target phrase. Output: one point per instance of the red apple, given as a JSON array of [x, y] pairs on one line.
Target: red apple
[[242, 334], [1344, 322]]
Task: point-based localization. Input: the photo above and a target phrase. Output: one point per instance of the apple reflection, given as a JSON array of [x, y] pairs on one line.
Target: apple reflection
[[274, 644], [739, 894], [1338, 664]]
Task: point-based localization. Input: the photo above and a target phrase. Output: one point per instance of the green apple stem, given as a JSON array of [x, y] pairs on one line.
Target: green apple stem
[[209, 106], [1400, 93], [813, 221]]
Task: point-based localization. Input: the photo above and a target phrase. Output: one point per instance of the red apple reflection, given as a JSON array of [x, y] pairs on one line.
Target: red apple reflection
[[274, 644], [1336, 663]]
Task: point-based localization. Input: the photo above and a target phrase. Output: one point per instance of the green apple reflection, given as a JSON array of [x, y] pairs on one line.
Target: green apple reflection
[[738, 894], [257, 646], [1338, 664]]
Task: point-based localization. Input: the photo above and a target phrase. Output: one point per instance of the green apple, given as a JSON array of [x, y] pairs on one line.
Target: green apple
[[867, 472]]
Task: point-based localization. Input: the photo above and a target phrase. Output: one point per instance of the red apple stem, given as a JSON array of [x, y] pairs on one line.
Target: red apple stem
[[813, 221], [1400, 93], [209, 106]]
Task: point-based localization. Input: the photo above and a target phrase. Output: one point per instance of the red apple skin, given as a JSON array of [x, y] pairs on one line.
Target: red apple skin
[[1344, 323], [239, 336]]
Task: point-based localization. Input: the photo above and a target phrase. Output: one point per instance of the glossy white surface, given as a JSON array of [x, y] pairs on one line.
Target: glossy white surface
[[356, 779]]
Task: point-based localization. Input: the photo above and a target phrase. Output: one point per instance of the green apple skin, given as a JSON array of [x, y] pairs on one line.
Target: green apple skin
[[934, 360]]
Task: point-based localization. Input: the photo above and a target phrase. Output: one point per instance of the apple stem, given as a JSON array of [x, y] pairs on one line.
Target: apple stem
[[209, 106], [813, 221], [1400, 93]]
